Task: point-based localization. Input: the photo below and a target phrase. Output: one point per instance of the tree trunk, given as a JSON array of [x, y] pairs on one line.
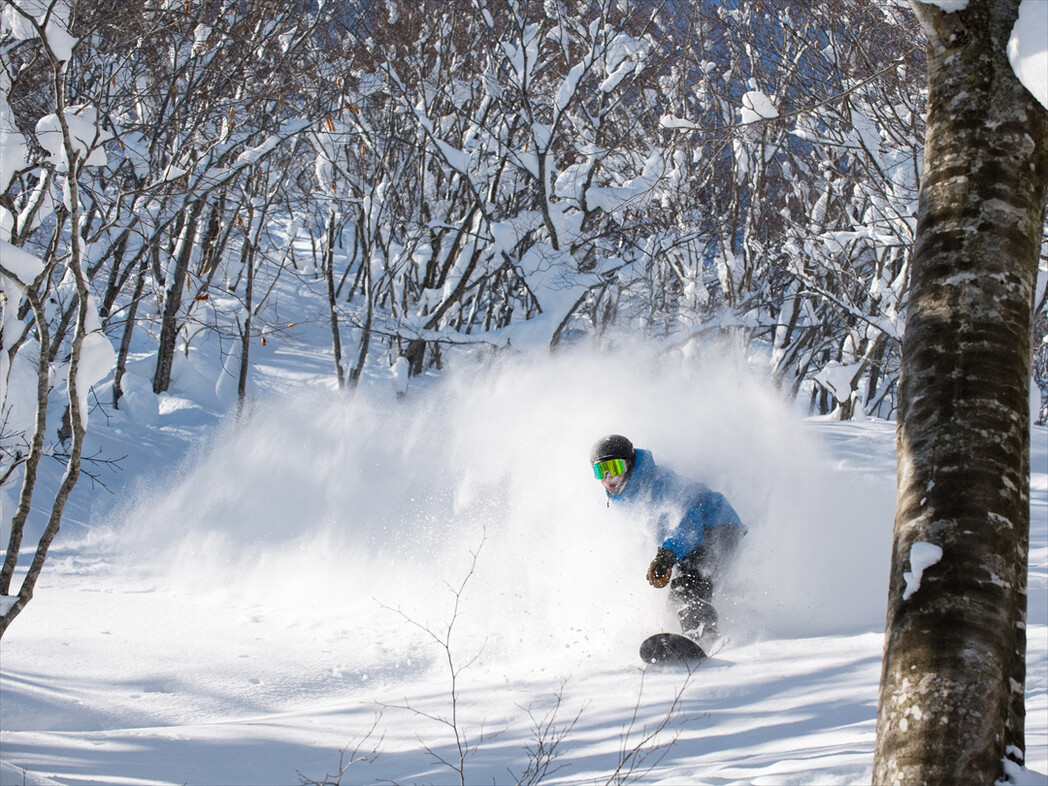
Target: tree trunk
[[247, 268], [36, 449], [953, 676], [75, 400], [170, 324], [329, 280], [365, 333], [129, 327]]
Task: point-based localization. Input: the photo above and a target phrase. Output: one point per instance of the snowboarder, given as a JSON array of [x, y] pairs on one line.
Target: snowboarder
[[699, 530]]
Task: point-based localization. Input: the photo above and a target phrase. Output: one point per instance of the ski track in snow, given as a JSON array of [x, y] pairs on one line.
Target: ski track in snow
[[276, 598]]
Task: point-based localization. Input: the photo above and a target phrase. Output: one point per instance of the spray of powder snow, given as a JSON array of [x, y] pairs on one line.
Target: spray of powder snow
[[346, 508]]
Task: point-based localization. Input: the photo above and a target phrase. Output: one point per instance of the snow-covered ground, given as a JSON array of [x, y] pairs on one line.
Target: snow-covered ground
[[434, 588]]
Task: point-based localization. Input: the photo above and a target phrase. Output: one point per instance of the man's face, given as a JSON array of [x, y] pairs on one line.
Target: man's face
[[615, 484], [613, 474]]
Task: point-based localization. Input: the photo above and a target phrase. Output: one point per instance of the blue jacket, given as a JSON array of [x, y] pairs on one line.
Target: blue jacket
[[682, 509]]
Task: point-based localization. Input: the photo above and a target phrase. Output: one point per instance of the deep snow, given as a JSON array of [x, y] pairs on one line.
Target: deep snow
[[253, 600]]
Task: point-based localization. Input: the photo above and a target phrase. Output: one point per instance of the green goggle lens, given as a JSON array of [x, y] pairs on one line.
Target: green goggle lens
[[611, 467]]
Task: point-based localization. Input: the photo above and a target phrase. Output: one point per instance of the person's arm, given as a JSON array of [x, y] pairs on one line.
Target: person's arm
[[709, 509]]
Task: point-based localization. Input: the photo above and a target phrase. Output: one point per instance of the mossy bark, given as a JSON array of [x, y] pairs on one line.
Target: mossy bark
[[952, 686]]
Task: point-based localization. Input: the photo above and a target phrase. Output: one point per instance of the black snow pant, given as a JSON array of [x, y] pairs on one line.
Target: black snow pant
[[694, 577]]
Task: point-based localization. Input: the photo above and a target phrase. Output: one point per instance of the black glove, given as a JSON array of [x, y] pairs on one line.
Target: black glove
[[661, 567]]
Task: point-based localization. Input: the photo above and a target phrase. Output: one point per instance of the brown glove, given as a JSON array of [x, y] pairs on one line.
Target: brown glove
[[661, 567]]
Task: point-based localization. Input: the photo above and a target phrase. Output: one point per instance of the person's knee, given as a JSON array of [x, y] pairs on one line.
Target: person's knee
[[697, 617]]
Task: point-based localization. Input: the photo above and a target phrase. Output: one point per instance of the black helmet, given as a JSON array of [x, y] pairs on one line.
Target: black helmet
[[613, 446]]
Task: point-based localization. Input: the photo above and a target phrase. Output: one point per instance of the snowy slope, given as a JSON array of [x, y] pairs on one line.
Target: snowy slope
[[251, 602]]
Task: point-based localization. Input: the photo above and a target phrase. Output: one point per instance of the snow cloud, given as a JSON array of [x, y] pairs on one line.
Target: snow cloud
[[324, 500]]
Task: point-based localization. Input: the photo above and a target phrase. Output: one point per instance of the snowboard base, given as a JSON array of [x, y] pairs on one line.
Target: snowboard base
[[671, 648]]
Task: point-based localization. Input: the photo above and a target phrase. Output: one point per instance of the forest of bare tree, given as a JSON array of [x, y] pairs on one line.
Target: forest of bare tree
[[437, 172]]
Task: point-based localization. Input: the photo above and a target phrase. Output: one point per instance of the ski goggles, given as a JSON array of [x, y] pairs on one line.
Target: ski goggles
[[611, 467]]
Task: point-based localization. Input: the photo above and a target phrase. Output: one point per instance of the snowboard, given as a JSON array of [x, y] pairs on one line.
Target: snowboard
[[671, 648]]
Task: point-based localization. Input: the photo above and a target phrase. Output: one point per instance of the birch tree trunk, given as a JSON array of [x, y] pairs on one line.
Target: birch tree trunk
[[953, 677], [76, 397]]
